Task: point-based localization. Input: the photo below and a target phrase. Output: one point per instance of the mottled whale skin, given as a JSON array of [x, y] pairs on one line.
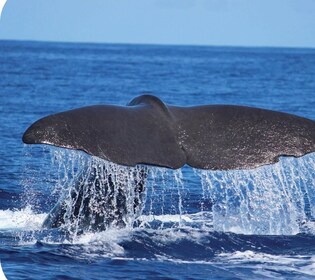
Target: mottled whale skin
[[148, 131]]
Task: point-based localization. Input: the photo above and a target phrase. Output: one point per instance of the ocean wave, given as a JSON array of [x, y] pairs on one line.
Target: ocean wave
[[20, 219]]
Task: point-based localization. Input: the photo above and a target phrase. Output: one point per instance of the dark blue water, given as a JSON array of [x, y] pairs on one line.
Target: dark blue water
[[256, 224]]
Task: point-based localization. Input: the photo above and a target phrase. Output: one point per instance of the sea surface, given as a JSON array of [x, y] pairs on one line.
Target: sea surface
[[192, 224]]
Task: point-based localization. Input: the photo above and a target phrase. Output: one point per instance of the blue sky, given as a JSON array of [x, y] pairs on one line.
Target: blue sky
[[193, 22]]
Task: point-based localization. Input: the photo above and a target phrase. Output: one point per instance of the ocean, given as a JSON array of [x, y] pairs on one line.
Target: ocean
[[193, 224]]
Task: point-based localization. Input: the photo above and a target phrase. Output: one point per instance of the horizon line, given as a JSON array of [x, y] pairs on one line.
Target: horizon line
[[156, 44]]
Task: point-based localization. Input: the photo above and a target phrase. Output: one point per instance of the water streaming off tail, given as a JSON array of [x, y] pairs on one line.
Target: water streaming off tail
[[95, 195], [274, 199]]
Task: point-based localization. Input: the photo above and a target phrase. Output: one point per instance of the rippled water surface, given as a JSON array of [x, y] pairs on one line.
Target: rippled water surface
[[185, 224]]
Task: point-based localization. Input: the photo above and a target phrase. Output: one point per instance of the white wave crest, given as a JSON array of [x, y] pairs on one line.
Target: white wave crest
[[297, 264], [22, 219]]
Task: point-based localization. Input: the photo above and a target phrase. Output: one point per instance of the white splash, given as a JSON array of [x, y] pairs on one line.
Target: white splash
[[277, 199], [2, 3], [20, 219], [96, 194], [298, 264]]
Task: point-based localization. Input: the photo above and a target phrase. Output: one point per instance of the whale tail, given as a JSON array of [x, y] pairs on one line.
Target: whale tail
[[147, 131]]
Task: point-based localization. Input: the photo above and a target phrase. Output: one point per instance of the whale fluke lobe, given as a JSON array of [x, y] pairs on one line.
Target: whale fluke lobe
[[147, 131]]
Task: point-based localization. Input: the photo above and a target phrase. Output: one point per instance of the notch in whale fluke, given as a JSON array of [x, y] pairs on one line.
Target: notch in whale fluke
[[147, 131]]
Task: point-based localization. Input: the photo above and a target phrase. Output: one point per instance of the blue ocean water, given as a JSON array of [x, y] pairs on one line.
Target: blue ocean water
[[256, 224]]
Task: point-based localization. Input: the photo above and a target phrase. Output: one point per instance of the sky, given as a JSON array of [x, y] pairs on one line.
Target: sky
[[274, 23]]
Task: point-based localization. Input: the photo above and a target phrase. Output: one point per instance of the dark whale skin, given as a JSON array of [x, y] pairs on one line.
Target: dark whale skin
[[147, 131]]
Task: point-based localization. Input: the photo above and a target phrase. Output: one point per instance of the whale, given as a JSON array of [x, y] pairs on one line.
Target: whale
[[149, 132]]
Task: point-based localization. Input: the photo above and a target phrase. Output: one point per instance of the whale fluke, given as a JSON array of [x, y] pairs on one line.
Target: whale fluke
[[147, 131]]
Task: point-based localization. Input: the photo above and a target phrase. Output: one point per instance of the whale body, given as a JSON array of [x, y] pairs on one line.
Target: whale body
[[148, 131]]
